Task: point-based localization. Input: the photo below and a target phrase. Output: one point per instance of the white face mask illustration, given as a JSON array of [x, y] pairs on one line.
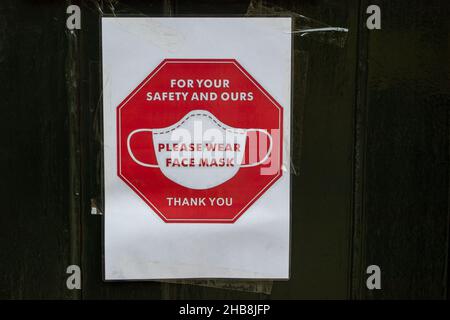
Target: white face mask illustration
[[199, 151]]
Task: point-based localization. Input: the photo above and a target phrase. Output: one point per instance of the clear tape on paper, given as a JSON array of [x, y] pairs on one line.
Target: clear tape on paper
[[303, 26], [254, 286]]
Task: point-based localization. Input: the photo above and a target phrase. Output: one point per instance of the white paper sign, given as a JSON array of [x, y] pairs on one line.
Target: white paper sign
[[197, 117]]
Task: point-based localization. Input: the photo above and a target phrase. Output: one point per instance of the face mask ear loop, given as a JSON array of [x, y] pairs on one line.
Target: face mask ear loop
[[131, 152], [268, 152]]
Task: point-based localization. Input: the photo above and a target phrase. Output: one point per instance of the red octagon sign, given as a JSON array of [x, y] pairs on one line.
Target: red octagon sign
[[199, 140]]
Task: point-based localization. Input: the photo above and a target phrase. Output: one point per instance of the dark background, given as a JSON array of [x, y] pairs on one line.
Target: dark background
[[371, 126]]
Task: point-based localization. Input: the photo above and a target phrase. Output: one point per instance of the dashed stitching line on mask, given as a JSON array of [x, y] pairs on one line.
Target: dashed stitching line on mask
[[193, 115]]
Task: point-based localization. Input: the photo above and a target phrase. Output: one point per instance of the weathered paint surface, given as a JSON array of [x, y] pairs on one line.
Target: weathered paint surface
[[370, 181]]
